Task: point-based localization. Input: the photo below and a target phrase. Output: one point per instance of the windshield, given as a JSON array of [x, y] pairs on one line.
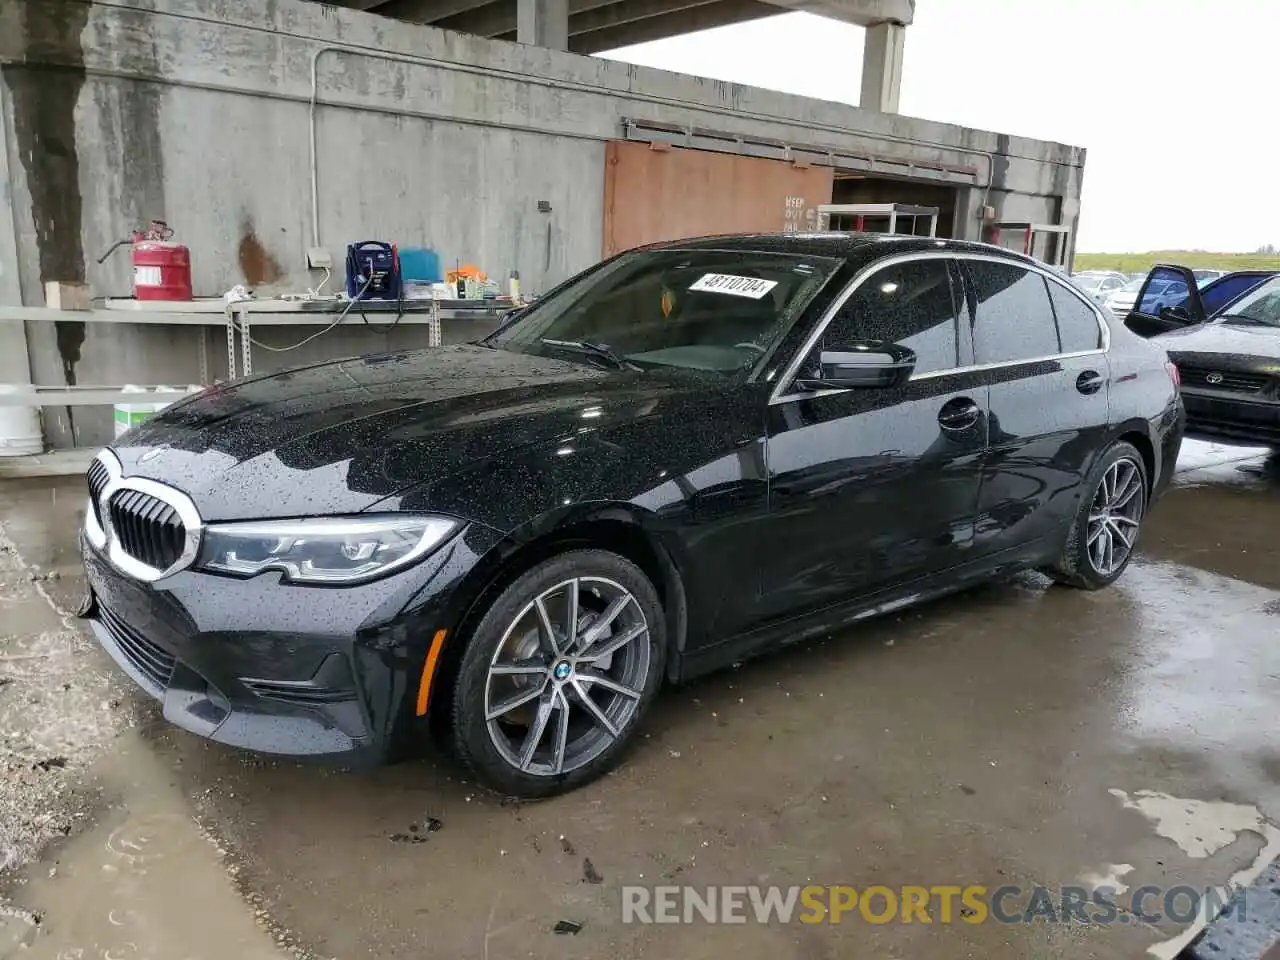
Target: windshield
[[1133, 286], [1090, 284], [1260, 305], [708, 310]]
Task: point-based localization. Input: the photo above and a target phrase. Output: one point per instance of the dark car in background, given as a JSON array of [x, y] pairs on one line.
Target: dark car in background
[[1170, 298], [1225, 341], [687, 454]]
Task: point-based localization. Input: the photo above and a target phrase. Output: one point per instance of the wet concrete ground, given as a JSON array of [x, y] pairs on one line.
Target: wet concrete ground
[[1019, 734]]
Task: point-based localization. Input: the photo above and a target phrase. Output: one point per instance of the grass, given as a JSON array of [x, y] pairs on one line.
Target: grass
[[1196, 259]]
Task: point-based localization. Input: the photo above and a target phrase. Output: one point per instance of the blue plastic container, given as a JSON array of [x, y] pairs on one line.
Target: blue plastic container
[[420, 265]]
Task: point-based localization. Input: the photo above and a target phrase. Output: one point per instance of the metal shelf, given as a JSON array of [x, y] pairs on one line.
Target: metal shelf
[[237, 318], [32, 396], [213, 313]]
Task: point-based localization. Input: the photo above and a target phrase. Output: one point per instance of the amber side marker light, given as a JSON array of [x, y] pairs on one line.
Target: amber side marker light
[[428, 671]]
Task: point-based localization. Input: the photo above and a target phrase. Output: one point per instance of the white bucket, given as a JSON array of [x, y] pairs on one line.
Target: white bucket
[[20, 434]]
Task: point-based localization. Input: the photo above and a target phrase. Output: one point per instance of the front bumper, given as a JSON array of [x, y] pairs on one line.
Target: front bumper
[[1233, 418], [307, 672]]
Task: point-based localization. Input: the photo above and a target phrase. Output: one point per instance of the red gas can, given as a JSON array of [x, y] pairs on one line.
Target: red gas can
[[161, 270]]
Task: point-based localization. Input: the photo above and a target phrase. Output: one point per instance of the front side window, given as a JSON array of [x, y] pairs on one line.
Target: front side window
[[1077, 323], [714, 311], [911, 304], [1014, 318]]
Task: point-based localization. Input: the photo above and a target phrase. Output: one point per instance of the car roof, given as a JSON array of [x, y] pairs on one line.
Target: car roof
[[858, 249]]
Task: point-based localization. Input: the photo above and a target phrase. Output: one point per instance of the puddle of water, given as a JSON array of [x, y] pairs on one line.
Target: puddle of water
[[1109, 877], [1205, 671], [1199, 454], [144, 882], [1200, 828]]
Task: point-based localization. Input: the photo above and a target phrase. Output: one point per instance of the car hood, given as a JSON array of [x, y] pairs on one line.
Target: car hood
[[339, 437], [1223, 339]]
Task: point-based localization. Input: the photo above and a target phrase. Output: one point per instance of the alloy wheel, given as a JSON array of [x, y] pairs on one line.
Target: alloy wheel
[[1115, 515], [566, 680]]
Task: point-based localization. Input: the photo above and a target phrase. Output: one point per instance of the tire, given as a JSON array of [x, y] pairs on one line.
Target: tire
[[543, 681], [1084, 563]]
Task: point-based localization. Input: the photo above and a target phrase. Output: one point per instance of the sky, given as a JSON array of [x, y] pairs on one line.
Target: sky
[[1176, 101]]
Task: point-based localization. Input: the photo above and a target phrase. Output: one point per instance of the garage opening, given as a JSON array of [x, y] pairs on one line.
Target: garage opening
[[656, 191], [858, 188]]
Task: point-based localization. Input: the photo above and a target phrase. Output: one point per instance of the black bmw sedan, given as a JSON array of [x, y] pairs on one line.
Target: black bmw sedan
[[685, 455]]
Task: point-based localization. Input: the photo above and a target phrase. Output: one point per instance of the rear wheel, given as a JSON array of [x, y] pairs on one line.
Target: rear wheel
[[558, 673], [1105, 531]]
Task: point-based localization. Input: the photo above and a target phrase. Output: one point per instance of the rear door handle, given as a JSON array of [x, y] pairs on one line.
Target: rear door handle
[[960, 413], [1089, 382]]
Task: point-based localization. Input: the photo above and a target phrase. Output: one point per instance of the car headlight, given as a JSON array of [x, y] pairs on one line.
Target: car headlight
[[326, 550]]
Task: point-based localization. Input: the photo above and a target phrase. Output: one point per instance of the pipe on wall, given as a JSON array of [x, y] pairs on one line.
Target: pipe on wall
[[581, 88]]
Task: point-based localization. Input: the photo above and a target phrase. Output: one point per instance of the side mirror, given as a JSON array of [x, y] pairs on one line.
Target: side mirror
[[861, 364]]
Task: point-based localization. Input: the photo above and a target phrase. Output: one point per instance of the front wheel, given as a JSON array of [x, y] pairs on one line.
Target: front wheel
[[1105, 530], [557, 674]]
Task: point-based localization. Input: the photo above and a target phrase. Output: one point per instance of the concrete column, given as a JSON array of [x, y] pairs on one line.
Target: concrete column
[[882, 67], [543, 23], [969, 224], [20, 431], [14, 363]]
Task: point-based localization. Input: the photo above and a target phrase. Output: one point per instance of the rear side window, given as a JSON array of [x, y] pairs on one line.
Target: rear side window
[[1077, 323], [1014, 319], [911, 304]]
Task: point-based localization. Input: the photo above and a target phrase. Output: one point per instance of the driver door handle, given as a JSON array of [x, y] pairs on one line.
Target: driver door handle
[[960, 413], [1089, 382]]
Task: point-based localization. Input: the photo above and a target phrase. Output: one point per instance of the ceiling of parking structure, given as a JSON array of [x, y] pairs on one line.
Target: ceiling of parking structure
[[599, 25]]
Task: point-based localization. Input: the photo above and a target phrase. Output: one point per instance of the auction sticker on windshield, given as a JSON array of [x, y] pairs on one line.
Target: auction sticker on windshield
[[752, 287]]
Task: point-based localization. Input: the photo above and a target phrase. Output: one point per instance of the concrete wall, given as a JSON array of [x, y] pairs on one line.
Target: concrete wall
[[197, 112]]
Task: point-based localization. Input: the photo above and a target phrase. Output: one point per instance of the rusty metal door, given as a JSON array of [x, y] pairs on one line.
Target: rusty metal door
[[655, 192]]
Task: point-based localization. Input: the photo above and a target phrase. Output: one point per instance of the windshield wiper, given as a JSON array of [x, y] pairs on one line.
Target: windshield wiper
[[598, 350], [1242, 318]]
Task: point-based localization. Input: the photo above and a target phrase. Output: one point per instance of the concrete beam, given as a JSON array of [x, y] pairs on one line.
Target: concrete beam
[[632, 11], [863, 13], [718, 14], [426, 11], [882, 67], [543, 23], [498, 19]]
